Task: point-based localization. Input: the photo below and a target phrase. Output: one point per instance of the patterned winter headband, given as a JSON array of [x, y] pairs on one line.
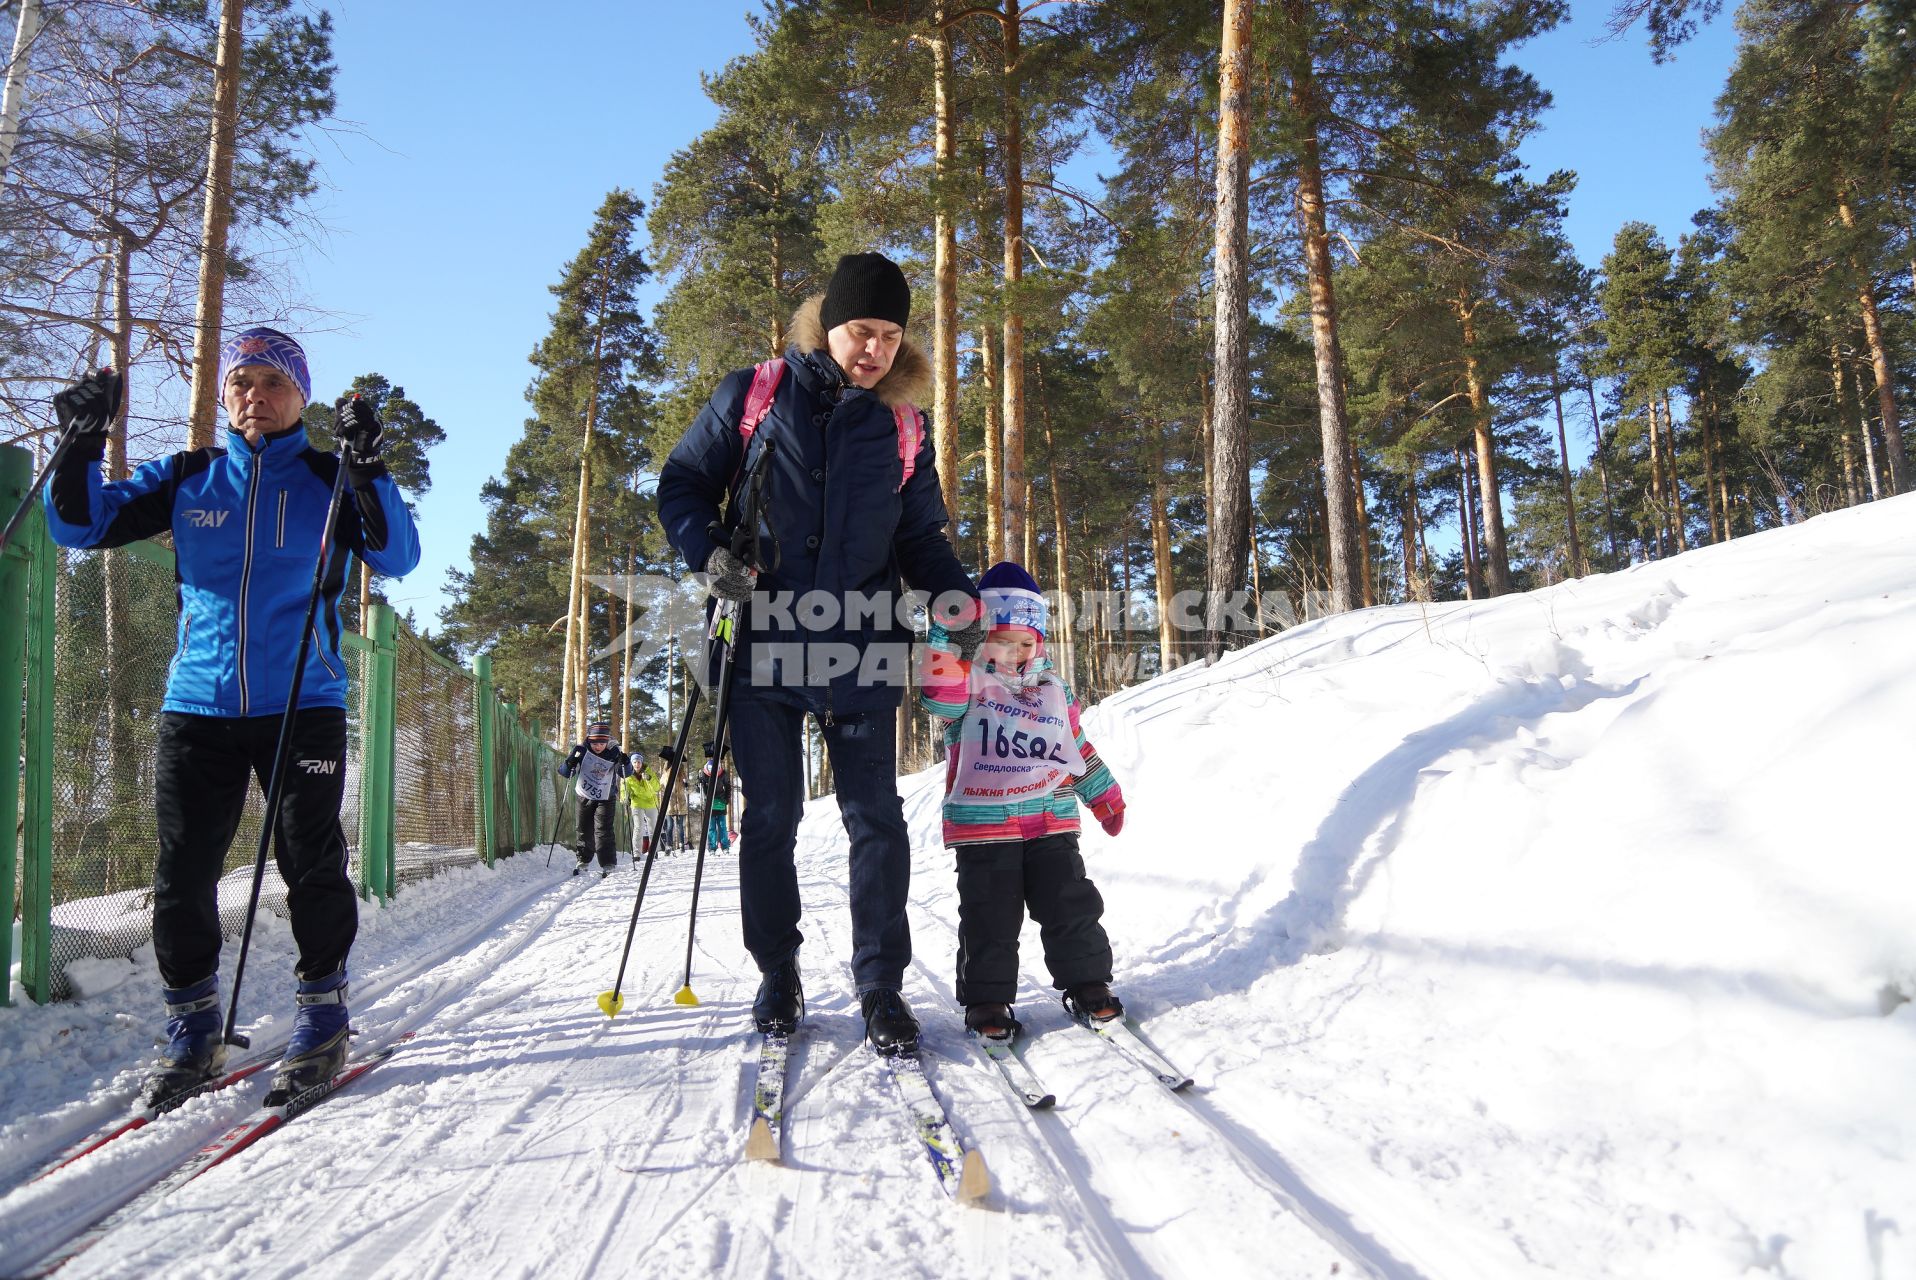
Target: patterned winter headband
[[267, 347]]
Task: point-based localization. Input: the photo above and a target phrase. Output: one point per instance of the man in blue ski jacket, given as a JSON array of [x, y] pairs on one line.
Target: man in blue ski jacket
[[852, 502], [246, 525]]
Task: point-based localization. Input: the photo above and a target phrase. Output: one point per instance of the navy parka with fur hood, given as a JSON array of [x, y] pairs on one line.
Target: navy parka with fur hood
[[832, 500]]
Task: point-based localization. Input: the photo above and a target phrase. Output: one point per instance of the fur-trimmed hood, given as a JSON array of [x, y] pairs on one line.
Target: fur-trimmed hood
[[908, 382]]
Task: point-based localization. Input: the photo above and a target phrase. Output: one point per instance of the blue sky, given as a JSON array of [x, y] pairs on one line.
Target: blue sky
[[484, 138]]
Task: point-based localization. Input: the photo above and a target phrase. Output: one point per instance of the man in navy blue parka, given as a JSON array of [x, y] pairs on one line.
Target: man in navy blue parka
[[823, 635]]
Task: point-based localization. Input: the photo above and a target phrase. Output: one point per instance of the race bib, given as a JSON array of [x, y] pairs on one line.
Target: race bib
[[596, 777], [1017, 744]]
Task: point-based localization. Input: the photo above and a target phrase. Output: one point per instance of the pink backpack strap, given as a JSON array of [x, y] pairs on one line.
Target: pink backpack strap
[[911, 438], [758, 403]]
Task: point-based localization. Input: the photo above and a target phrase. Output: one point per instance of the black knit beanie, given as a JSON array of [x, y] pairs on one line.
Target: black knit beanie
[[866, 286]]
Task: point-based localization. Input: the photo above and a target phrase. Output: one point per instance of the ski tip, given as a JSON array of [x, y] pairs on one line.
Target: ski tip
[[974, 1180], [1041, 1101], [610, 1002], [685, 997], [760, 1144]]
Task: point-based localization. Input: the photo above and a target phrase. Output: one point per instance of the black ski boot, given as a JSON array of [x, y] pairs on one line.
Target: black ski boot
[[993, 1021], [194, 1052], [1093, 1002], [889, 1027], [318, 1048], [781, 1000]]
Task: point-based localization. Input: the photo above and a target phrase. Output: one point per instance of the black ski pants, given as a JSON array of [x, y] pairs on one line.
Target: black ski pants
[[767, 738], [204, 766], [996, 883], [595, 832]]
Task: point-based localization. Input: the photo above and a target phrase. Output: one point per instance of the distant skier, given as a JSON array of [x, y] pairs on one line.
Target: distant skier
[[852, 502], [641, 791], [598, 764], [1017, 763], [246, 528], [719, 786]]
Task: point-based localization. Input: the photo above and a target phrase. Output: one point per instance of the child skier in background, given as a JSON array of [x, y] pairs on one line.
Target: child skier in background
[[718, 834], [1017, 765], [641, 791]]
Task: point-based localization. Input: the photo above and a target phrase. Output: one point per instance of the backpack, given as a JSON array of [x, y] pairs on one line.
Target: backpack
[[758, 403]]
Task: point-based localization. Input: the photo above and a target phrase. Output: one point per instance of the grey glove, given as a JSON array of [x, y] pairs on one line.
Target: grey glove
[[731, 580], [968, 639]]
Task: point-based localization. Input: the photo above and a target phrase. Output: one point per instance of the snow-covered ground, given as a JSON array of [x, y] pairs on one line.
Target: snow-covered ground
[[1559, 935]]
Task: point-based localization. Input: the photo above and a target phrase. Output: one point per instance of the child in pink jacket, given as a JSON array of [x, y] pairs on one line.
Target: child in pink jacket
[[1017, 764]]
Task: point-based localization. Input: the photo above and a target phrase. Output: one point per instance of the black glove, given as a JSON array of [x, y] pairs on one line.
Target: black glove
[[358, 430], [87, 409], [731, 580]]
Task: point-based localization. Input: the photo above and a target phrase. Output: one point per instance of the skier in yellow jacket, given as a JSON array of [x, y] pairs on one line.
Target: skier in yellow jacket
[[642, 790]]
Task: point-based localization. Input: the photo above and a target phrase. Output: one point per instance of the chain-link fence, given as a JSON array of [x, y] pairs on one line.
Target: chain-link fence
[[88, 638]]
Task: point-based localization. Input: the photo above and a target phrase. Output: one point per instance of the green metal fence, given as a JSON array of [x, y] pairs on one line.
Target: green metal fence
[[439, 773]]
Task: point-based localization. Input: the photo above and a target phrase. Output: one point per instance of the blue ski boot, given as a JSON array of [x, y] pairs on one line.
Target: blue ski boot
[[318, 1048], [195, 1050]]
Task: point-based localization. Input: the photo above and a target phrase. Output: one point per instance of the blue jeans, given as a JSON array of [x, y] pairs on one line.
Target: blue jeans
[[767, 738]]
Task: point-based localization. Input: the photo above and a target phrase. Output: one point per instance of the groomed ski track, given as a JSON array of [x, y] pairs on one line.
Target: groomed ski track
[[521, 1132]]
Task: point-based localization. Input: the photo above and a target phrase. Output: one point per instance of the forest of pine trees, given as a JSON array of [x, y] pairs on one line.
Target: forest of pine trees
[[1313, 330]]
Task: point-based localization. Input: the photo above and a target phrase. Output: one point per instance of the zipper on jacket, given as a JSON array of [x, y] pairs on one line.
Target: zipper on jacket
[[279, 538], [246, 572]]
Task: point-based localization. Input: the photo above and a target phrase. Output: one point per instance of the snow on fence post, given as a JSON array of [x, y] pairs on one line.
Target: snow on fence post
[[16, 474], [483, 694], [377, 745], [36, 880]]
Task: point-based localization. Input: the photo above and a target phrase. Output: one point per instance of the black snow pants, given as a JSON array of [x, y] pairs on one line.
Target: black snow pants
[[204, 765], [996, 883], [595, 832]]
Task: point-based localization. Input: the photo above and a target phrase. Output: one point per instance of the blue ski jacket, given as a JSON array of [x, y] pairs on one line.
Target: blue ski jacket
[[246, 533]]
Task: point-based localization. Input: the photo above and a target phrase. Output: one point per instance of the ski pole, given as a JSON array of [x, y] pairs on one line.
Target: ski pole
[[553, 843], [725, 629], [610, 1002], [276, 785]]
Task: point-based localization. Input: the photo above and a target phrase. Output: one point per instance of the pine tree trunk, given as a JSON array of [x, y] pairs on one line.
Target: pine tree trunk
[[1577, 566], [625, 668], [1677, 521], [1011, 149], [1706, 427], [1869, 455], [1657, 507], [1723, 483], [1363, 528], [1852, 491], [778, 299], [1603, 475], [365, 594], [994, 453], [116, 462], [1063, 623], [1340, 515], [1408, 533], [214, 224], [1496, 555], [944, 344], [1885, 378], [1467, 522], [13, 98], [1161, 556], [1229, 512]]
